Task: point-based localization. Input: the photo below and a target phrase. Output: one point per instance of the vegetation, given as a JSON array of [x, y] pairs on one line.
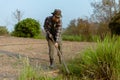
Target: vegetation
[[100, 63], [80, 38], [3, 31], [84, 30], [34, 73], [104, 10], [114, 24], [99, 22], [78, 27], [27, 28], [77, 30], [18, 15]]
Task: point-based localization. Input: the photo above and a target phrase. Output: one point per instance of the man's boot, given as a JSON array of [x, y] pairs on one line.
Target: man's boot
[[51, 63]]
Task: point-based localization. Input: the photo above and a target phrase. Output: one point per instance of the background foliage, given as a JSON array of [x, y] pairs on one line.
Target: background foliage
[[27, 28], [114, 24], [3, 31]]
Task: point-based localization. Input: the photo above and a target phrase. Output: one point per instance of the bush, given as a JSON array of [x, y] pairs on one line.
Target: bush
[[27, 28], [3, 31], [101, 63], [114, 24]]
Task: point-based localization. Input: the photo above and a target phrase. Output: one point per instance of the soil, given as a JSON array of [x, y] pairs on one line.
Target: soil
[[13, 50]]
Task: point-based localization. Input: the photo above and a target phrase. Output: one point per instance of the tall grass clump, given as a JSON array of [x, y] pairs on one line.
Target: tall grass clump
[[34, 73], [98, 63], [28, 72]]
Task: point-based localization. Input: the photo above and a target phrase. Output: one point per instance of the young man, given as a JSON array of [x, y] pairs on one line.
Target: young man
[[53, 27]]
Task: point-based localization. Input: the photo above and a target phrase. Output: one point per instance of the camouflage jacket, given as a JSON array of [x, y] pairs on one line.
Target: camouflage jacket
[[52, 27]]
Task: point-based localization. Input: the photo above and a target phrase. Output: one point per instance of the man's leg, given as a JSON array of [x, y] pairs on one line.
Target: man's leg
[[51, 52]]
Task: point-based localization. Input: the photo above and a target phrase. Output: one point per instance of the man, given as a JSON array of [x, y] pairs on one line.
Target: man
[[53, 27]]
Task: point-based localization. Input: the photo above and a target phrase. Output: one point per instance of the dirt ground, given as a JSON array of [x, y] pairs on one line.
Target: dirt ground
[[11, 48]]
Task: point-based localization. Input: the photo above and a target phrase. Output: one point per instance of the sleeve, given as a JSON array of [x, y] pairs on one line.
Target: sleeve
[[59, 30], [46, 25]]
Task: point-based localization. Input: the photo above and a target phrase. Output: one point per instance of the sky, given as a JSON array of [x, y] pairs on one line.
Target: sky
[[40, 9]]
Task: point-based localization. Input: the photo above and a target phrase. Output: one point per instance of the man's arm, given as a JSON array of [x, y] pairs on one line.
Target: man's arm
[[46, 25], [59, 30]]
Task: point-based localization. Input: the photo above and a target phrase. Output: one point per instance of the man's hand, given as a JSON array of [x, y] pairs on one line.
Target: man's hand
[[56, 44]]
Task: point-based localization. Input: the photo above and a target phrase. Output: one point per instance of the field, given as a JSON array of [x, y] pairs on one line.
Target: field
[[12, 51]]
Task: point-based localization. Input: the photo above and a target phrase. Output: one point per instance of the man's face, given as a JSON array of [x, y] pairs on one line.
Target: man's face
[[56, 19]]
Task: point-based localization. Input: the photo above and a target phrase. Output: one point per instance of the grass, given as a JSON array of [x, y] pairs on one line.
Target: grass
[[100, 63], [80, 38], [71, 38], [34, 73]]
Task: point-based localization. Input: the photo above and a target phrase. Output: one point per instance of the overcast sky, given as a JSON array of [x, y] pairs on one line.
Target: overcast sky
[[40, 9]]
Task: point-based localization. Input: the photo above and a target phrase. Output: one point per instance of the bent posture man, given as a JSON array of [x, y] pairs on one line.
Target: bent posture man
[[53, 27]]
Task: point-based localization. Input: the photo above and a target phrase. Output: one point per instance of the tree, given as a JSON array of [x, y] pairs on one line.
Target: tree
[[27, 28], [17, 15], [119, 5], [78, 27], [71, 29], [83, 27], [104, 10], [114, 24]]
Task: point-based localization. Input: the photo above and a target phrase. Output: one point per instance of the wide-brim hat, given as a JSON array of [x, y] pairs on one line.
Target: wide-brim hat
[[57, 13]]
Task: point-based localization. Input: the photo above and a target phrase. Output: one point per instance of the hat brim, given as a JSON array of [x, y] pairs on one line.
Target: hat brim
[[56, 15]]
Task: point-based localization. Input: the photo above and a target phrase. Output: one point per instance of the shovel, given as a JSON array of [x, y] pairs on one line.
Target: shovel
[[61, 56]]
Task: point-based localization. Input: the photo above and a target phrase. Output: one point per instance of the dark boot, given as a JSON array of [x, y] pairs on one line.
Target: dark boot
[[51, 63]]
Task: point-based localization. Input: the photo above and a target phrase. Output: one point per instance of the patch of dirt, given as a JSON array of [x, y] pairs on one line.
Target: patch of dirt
[[11, 48]]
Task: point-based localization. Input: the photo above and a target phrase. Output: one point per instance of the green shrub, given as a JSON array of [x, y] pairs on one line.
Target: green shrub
[[27, 28], [100, 63], [3, 31]]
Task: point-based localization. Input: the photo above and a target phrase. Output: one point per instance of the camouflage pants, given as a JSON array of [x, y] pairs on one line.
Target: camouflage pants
[[51, 50]]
